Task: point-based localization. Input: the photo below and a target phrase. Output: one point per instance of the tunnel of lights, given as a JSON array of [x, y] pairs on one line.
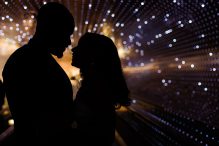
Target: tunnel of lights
[[170, 58]]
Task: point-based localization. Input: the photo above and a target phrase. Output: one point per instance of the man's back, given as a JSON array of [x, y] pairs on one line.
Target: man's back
[[39, 94]]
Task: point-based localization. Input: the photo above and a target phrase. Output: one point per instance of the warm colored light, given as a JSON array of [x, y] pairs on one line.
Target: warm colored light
[[11, 122], [121, 52], [7, 46]]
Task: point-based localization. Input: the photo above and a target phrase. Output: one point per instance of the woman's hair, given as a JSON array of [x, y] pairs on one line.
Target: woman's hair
[[100, 51]]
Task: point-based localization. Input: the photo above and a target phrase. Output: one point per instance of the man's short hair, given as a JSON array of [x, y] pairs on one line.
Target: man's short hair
[[54, 15]]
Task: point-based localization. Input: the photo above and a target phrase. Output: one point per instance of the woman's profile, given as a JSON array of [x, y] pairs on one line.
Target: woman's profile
[[103, 86]]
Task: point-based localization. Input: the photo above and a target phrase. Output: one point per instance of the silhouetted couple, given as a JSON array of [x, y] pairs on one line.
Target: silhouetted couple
[[39, 92]]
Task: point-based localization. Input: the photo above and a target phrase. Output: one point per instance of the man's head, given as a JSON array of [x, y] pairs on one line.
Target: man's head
[[55, 24]]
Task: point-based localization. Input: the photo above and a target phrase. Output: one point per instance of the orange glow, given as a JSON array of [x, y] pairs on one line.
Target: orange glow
[[7, 46]]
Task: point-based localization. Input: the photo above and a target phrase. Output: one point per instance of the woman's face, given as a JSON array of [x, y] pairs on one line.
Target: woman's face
[[76, 57], [82, 60]]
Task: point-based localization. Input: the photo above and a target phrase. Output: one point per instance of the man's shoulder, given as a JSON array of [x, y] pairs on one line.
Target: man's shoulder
[[20, 52], [17, 56]]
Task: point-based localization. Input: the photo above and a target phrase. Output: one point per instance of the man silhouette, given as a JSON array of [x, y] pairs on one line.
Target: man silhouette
[[38, 90]]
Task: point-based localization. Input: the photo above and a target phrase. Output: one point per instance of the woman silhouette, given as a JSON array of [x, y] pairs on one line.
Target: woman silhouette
[[103, 86]]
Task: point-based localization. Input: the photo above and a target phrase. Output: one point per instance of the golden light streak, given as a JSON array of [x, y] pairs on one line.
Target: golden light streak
[[141, 69]]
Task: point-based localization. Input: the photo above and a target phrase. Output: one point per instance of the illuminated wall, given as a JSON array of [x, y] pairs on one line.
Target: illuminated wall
[[169, 48]]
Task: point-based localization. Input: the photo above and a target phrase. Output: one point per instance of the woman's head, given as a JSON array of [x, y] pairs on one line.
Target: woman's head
[[97, 51], [97, 56]]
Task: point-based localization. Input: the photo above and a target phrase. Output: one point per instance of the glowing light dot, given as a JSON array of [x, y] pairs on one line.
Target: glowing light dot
[[6, 3], [205, 89], [203, 5], [159, 71], [117, 24], [214, 69], [44, 2], [192, 65], [210, 54], [183, 62], [76, 28], [142, 64], [142, 3], [176, 59], [199, 83], [179, 66], [25, 7], [190, 21], [174, 40], [145, 22], [11, 122], [90, 5], [113, 15], [197, 46], [136, 50]]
